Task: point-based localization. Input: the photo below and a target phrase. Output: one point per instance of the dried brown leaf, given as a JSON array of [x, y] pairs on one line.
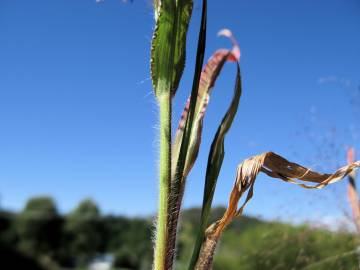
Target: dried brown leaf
[[274, 166]]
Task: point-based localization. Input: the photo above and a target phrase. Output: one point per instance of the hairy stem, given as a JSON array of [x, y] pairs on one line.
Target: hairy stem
[[207, 252], [162, 230]]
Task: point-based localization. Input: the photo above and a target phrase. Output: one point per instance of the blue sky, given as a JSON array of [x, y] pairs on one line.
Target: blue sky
[[78, 117]]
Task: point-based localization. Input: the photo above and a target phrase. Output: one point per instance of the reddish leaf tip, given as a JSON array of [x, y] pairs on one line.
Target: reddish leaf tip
[[350, 155], [235, 52]]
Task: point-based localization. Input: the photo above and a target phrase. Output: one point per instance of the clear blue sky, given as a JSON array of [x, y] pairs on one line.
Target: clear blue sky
[[78, 118]]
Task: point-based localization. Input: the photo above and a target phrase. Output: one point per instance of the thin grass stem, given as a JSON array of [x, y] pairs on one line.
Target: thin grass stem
[[165, 181]]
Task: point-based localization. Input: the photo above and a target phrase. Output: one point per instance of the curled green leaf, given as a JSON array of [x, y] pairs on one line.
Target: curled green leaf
[[215, 160], [208, 78]]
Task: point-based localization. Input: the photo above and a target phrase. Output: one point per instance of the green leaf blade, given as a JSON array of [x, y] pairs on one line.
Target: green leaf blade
[[168, 48]]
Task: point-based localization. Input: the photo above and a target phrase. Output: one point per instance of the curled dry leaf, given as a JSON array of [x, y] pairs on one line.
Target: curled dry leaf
[[274, 166]]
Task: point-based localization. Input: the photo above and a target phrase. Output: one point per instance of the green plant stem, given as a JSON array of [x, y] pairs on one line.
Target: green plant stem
[[162, 229]]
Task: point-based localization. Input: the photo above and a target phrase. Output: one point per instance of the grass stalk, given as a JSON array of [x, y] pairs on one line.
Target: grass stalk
[[165, 181]]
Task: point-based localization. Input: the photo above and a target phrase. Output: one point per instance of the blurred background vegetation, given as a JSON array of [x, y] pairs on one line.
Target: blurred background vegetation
[[39, 237]]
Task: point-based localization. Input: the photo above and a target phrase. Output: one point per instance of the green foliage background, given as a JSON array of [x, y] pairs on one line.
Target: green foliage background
[[40, 238]]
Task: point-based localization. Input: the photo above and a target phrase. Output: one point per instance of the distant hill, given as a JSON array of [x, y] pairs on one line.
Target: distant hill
[[192, 215], [250, 243]]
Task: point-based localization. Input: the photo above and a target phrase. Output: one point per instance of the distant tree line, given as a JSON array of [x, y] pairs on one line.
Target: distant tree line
[[40, 238]]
